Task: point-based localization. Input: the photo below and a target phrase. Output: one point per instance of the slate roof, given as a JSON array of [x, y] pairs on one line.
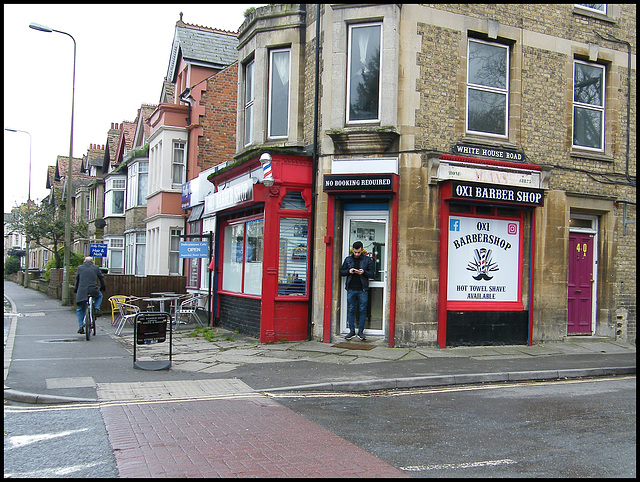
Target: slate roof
[[202, 45]]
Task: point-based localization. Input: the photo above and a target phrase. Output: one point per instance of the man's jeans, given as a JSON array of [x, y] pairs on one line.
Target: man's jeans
[[357, 300], [82, 308]]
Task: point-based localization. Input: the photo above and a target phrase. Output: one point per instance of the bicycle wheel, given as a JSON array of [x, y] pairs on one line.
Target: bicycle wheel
[[87, 319], [93, 317]]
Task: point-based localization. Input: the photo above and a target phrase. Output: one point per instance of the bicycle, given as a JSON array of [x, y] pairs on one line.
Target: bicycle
[[89, 319]]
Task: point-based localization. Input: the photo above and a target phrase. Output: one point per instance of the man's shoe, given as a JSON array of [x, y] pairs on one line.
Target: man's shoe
[[362, 337], [81, 331], [96, 314], [350, 335]]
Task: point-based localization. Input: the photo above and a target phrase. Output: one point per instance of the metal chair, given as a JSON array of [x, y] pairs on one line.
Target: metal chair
[[187, 307], [115, 312], [127, 313]]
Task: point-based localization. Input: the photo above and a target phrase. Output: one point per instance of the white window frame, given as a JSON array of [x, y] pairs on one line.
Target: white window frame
[[115, 244], [351, 27], [590, 107], [489, 89], [178, 145], [278, 105], [249, 90], [136, 169], [175, 253], [112, 185]]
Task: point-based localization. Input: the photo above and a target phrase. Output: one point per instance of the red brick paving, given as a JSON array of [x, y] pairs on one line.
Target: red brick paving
[[240, 437]]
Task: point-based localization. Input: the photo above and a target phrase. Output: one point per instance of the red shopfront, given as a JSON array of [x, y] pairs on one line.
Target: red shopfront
[[261, 285], [487, 233]]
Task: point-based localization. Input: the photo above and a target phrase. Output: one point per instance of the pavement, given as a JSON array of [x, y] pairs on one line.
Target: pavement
[[215, 412], [46, 361]]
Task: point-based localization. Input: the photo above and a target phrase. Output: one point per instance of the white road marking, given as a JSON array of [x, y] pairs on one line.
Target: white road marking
[[465, 465], [22, 440], [54, 471]]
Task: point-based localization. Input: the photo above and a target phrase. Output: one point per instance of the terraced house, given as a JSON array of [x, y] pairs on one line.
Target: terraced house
[[485, 155]]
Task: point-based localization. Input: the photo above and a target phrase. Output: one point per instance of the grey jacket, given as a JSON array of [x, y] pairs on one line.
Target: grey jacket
[[87, 279], [366, 264]]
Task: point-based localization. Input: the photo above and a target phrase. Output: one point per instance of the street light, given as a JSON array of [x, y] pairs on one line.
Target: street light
[[26, 263], [67, 225]]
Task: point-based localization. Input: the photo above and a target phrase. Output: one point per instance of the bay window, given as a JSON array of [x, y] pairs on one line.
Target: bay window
[[174, 251], [114, 196], [137, 177], [279, 73], [178, 164], [249, 97]]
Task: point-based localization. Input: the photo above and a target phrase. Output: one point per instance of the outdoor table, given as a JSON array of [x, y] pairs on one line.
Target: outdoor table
[[161, 299]]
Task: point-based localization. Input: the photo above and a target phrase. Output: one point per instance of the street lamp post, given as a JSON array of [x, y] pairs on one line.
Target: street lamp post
[[26, 263], [66, 298]]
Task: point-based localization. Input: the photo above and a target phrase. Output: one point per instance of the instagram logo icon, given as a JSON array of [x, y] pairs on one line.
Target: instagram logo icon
[[512, 228]]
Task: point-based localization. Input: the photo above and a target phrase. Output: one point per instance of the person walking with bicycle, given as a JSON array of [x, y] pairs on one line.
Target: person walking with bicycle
[[87, 278]]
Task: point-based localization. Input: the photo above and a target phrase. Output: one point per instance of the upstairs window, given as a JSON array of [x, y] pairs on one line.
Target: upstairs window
[[487, 88], [137, 177], [249, 97], [593, 7], [114, 196], [177, 166], [363, 78], [279, 74], [588, 106]]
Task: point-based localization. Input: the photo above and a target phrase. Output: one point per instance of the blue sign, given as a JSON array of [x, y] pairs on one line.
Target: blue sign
[[98, 250], [185, 195], [194, 249]]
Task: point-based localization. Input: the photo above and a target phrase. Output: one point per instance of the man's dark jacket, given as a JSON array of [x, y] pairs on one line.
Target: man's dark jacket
[[87, 281], [366, 264]]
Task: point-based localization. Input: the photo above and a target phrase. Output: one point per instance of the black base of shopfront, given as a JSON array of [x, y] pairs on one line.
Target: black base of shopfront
[[487, 328]]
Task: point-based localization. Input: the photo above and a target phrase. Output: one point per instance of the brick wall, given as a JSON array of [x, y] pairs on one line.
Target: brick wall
[[242, 314], [219, 122]]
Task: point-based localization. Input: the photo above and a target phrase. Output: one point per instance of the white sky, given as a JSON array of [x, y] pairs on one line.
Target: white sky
[[122, 55]]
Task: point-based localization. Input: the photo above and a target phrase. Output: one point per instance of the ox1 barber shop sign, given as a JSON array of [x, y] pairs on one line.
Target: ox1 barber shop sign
[[358, 182], [497, 193]]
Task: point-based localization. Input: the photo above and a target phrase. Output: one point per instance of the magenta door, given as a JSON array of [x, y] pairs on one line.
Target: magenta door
[[580, 283]]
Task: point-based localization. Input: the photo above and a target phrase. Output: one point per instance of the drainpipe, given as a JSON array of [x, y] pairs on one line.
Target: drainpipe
[[314, 175], [611, 38]]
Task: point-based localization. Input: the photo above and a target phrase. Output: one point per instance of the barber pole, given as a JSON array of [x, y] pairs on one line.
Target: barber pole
[[266, 171]]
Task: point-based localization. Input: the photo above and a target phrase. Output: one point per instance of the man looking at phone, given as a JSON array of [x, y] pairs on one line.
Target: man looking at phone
[[358, 269]]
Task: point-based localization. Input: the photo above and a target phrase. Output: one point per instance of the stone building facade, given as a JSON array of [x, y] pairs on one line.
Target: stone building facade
[[515, 123]]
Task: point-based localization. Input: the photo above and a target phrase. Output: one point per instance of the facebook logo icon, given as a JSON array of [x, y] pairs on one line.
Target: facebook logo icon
[[454, 224]]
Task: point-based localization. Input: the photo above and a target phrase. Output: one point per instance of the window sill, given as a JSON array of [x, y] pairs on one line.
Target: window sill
[[594, 156], [592, 14]]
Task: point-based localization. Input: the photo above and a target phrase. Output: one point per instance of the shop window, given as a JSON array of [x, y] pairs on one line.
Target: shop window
[[279, 62], [487, 88], [507, 212], [292, 261], [588, 106], [242, 259], [363, 78]]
